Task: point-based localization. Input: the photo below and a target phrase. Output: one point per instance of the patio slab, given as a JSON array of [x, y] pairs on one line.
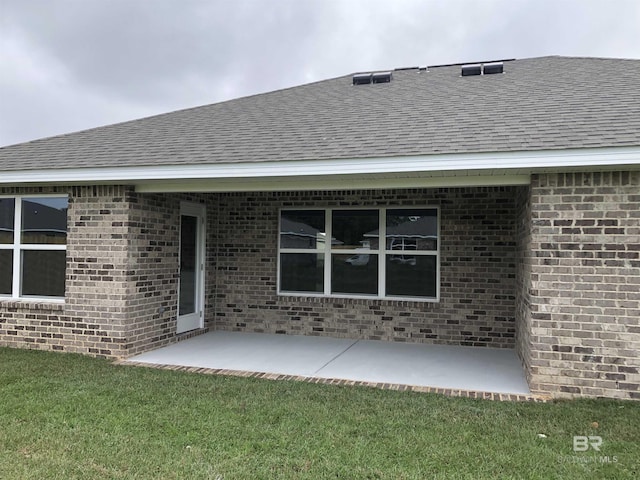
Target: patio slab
[[466, 368], [439, 366]]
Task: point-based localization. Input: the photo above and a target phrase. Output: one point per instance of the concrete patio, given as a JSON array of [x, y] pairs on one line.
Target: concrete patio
[[439, 366]]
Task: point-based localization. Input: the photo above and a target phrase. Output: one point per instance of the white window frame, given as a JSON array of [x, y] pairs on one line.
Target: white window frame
[[18, 247], [381, 252]]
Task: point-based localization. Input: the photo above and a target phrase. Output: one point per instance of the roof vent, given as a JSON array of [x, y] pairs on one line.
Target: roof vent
[[366, 78], [482, 69], [362, 78], [382, 77], [491, 68], [474, 69]]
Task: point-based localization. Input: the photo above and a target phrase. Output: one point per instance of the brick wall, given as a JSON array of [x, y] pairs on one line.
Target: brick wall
[[154, 230], [585, 284], [478, 270], [121, 280], [97, 263], [552, 269], [523, 278], [122, 267], [33, 324]]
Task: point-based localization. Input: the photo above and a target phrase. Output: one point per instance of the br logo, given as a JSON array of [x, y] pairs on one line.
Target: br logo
[[582, 443]]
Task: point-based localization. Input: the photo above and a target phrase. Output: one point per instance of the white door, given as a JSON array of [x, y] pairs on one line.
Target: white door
[[192, 255]]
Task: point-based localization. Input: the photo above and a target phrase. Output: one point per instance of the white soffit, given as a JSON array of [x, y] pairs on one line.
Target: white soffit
[[422, 167], [334, 182]]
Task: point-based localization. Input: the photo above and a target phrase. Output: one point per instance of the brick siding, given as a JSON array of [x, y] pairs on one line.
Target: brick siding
[[585, 284], [44, 325], [523, 279], [477, 235], [121, 280], [552, 269]]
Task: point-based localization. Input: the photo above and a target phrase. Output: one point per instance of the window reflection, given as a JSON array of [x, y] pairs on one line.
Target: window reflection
[[356, 274], [411, 276], [412, 229], [188, 264], [302, 272], [302, 229], [404, 264], [43, 272], [44, 220], [6, 271], [7, 219], [352, 228]]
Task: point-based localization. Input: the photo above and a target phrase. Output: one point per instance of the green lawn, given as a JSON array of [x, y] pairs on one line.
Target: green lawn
[[68, 416]]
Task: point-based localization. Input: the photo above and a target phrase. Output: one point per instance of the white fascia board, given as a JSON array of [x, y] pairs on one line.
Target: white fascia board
[[447, 164]]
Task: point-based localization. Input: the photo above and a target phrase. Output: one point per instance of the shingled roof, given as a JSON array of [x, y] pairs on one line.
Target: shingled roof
[[542, 103]]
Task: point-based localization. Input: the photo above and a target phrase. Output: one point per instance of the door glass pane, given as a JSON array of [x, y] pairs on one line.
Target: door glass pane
[[43, 272], [302, 272], [412, 229], [188, 264], [411, 275], [44, 220], [7, 213], [6, 271], [355, 229], [354, 274], [302, 229]]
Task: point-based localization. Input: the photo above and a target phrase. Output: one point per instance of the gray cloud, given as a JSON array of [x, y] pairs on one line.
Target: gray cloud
[[74, 64]]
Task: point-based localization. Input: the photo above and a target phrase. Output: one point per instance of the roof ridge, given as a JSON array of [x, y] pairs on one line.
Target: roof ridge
[[579, 57]]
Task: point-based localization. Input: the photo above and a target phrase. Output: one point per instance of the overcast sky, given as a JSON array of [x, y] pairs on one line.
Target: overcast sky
[[68, 65]]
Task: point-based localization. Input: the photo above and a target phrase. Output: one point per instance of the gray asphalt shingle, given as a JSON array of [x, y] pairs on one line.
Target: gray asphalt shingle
[[537, 104]]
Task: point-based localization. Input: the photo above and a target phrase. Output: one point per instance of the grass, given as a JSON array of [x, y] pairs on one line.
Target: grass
[[65, 416]]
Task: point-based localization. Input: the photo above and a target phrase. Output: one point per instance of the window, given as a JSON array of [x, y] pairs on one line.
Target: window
[[33, 244], [339, 252]]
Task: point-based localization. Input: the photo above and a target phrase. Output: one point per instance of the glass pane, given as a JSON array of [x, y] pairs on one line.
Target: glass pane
[[411, 275], [44, 220], [43, 272], [302, 272], [355, 229], [354, 274], [302, 229], [188, 264], [7, 213], [412, 229], [6, 271]]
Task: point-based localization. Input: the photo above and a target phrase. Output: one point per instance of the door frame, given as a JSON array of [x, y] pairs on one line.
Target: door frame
[[195, 320]]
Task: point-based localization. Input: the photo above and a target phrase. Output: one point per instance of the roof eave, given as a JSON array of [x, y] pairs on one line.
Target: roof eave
[[376, 172]]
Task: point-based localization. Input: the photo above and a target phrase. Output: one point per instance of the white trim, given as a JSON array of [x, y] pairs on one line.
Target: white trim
[[17, 256], [33, 299], [522, 162], [381, 252], [195, 320], [326, 251], [17, 247], [358, 296]]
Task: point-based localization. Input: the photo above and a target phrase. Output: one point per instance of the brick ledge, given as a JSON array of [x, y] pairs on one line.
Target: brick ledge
[[450, 392], [31, 305]]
